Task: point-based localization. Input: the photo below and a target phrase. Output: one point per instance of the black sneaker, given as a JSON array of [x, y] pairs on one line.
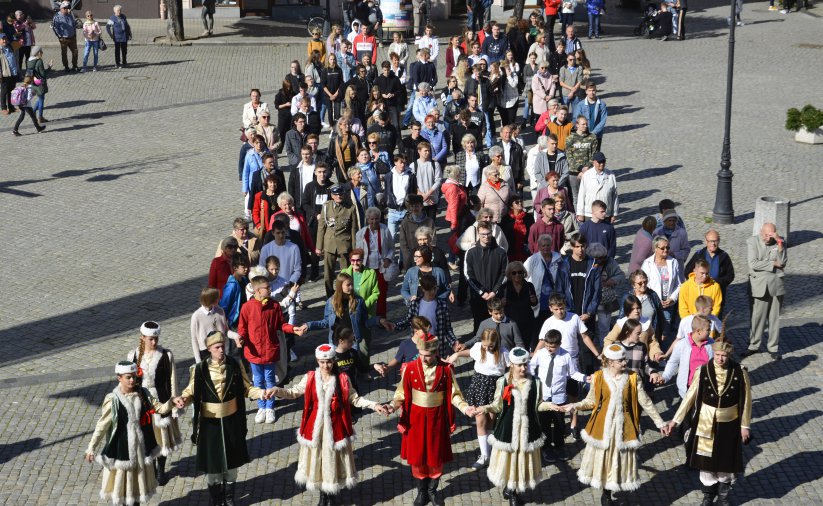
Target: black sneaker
[[16, 133], [41, 128]]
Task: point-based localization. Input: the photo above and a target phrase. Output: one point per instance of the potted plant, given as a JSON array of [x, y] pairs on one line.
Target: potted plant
[[807, 123]]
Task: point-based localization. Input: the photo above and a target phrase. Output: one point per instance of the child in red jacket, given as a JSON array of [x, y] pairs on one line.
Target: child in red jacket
[[261, 328]]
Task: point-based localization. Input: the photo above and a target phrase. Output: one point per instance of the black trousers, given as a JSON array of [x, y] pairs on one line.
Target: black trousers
[[550, 21], [6, 85], [681, 23], [507, 115], [479, 310], [120, 51], [23, 111], [553, 424]]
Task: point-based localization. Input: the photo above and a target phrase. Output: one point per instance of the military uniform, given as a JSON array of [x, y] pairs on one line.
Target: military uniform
[[335, 237]]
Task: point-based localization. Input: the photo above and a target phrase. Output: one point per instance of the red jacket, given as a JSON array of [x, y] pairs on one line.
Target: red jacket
[[426, 431], [361, 44], [219, 272], [450, 62], [308, 242], [260, 213], [258, 326], [337, 408], [456, 199], [551, 7]]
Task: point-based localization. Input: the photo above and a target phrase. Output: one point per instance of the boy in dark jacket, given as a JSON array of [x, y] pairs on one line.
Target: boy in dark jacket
[[485, 272]]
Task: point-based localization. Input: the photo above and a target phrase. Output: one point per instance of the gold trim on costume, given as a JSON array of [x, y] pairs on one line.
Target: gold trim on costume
[[427, 399], [219, 409]]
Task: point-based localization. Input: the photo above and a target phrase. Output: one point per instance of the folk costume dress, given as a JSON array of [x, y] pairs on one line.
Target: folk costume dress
[[428, 395], [326, 459], [612, 434], [126, 432], [217, 390], [515, 462], [723, 404], [160, 379]]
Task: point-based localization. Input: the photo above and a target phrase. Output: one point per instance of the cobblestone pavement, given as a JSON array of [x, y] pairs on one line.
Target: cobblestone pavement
[[140, 164]]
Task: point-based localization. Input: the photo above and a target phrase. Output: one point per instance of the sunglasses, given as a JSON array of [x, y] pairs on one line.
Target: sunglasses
[[664, 248], [355, 260], [519, 273]]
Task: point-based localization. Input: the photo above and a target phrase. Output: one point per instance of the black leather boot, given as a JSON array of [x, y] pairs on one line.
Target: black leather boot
[[160, 468], [434, 494], [422, 497], [709, 493], [228, 493], [216, 495], [513, 498], [506, 493], [606, 498], [331, 500], [723, 490]]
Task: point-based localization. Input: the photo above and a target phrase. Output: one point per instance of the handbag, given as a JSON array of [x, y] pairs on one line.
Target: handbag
[[103, 45], [243, 137]]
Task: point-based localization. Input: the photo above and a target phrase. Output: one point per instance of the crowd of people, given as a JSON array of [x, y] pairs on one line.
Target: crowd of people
[[24, 74], [458, 211]]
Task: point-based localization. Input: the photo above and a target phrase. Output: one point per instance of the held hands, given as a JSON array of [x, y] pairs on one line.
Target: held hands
[[568, 408], [88, 457], [452, 358], [665, 430], [381, 369], [300, 330], [656, 379], [458, 346], [179, 403]]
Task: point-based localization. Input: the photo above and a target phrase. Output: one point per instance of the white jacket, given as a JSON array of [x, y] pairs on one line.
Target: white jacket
[[249, 117], [655, 283], [386, 245], [590, 191]]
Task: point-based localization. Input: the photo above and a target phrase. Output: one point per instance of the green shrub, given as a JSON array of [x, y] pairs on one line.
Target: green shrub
[[809, 117]]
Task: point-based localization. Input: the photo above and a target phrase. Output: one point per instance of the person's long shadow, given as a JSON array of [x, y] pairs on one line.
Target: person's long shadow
[[780, 478], [776, 369], [763, 406], [11, 450], [774, 429]]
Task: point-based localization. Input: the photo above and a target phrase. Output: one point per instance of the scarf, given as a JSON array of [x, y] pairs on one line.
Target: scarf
[[496, 185]]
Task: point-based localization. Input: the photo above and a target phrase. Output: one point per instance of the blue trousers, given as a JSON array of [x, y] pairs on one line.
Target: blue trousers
[[91, 45], [264, 377]]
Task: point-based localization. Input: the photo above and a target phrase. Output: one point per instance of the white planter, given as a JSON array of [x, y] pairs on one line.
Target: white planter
[[807, 137]]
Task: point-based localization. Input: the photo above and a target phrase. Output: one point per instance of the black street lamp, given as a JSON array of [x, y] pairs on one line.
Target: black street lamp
[[723, 212]]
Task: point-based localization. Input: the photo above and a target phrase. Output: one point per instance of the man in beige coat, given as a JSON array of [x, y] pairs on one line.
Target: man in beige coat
[[767, 259]]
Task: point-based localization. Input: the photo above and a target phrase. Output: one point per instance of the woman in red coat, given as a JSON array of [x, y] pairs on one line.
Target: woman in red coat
[[453, 53], [426, 392], [285, 203], [265, 204]]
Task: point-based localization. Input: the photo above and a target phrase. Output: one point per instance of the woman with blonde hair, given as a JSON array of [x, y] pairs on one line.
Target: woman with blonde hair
[[91, 32], [343, 144]]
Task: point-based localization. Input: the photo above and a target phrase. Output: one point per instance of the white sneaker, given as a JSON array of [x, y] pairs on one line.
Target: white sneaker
[[325, 125], [260, 416], [481, 463], [784, 11], [269, 415]]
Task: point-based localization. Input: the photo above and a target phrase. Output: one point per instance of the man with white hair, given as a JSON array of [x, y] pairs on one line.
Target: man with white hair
[[424, 103], [767, 261], [120, 32]]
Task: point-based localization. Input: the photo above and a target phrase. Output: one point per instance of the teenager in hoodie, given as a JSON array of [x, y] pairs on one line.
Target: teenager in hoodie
[[485, 268]]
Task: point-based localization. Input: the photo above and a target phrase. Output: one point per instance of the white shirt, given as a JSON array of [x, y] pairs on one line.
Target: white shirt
[[507, 148], [429, 310], [472, 170], [488, 367], [685, 327], [306, 174], [294, 224], [565, 367], [399, 183], [569, 327], [295, 103], [430, 43], [373, 260]]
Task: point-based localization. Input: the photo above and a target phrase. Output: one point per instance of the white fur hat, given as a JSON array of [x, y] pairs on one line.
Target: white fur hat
[[325, 352], [150, 328], [258, 271], [615, 352], [125, 367], [519, 356]]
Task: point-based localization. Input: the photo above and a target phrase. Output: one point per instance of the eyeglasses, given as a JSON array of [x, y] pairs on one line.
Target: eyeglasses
[[355, 260], [418, 256], [519, 273]]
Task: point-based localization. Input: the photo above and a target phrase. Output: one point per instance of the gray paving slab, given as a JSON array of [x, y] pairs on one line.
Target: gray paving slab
[[117, 209]]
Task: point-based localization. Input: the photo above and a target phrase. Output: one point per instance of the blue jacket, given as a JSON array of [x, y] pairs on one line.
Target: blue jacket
[[591, 290], [232, 298], [412, 280], [118, 28], [253, 162], [594, 6], [359, 320], [440, 148], [372, 180], [63, 26], [596, 114], [422, 107], [657, 319]]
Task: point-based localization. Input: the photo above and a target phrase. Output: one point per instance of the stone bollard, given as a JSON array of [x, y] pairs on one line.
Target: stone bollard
[[772, 210]]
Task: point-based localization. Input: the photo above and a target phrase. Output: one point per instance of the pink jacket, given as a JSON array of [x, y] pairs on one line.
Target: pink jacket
[[91, 31]]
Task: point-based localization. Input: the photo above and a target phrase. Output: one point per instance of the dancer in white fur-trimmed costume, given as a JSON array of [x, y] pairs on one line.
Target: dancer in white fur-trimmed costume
[[126, 434], [612, 434], [515, 462], [326, 459], [155, 370]]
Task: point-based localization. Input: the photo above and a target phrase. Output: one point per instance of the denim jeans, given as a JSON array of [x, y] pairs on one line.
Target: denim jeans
[[489, 127], [91, 45], [264, 376], [395, 217], [594, 25], [39, 101], [324, 104], [408, 116]]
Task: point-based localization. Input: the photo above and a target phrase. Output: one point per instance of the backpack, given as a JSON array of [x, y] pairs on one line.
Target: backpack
[[20, 96]]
